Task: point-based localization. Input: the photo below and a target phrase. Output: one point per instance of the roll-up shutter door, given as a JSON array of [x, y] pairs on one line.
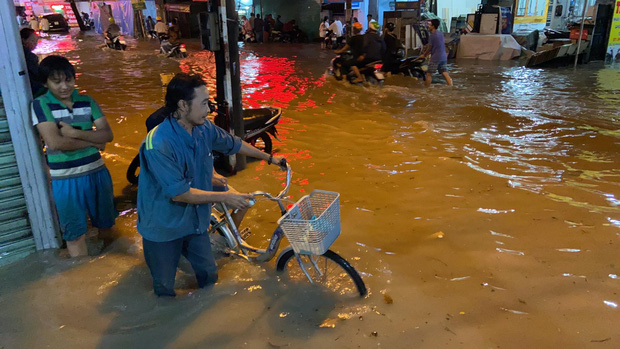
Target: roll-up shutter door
[[16, 240]]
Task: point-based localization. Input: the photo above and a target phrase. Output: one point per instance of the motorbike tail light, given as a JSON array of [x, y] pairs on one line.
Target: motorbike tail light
[[182, 45], [378, 66], [37, 32]]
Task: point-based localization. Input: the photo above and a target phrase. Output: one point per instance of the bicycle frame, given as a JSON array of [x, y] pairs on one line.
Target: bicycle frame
[[242, 248]]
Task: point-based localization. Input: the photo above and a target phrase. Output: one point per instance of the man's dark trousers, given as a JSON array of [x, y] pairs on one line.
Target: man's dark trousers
[[163, 258]]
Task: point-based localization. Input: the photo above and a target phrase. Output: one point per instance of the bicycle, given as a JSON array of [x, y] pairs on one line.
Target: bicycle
[[311, 226]]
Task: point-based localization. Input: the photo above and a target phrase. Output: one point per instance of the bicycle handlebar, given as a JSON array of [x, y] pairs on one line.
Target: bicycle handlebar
[[283, 192]]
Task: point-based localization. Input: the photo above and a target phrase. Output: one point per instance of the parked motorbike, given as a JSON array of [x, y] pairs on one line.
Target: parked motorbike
[[371, 71], [259, 125], [116, 43]]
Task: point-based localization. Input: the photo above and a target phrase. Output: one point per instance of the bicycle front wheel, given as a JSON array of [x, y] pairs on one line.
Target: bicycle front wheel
[[328, 270]]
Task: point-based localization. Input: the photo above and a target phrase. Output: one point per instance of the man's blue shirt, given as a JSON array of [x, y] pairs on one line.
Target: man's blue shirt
[[171, 162], [438, 47]]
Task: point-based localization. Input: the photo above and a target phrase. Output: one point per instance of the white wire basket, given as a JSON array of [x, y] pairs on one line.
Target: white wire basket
[[313, 223]]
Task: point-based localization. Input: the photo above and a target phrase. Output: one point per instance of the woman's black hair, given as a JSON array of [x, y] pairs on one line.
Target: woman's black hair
[[181, 87], [55, 65], [25, 33]]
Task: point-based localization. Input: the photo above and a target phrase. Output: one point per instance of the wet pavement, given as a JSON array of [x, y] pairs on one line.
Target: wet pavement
[[484, 215]]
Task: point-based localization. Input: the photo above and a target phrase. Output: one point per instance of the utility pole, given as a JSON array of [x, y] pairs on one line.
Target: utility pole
[[228, 75], [348, 17], [17, 98], [583, 19], [78, 16]]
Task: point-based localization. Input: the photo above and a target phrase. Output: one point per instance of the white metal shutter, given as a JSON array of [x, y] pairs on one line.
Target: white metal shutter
[[16, 239]]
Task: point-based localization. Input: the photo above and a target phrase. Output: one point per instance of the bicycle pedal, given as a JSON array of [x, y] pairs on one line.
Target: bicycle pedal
[[245, 233]]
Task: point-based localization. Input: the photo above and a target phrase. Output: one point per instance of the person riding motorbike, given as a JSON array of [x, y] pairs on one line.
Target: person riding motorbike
[[174, 37], [160, 27], [113, 30], [374, 46], [356, 45], [393, 44]]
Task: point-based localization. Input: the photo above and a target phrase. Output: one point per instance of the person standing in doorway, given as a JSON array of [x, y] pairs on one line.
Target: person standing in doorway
[[437, 49], [30, 39], [75, 130], [150, 27]]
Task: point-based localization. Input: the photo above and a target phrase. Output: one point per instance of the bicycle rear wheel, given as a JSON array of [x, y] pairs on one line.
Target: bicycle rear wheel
[[334, 272]]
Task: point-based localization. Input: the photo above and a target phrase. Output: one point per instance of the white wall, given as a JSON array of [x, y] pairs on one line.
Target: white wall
[[453, 8]]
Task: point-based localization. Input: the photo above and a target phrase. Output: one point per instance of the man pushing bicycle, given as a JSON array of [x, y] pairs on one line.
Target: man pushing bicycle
[[175, 191]]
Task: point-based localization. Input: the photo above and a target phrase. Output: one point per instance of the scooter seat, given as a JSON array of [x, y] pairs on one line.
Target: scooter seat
[[256, 118]]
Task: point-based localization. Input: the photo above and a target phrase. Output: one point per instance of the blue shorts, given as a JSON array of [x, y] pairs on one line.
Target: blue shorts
[[91, 194], [437, 66]]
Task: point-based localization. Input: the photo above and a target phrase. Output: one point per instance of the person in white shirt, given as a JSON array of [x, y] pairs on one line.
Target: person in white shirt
[[44, 25], [323, 31], [160, 27], [34, 24], [336, 28]]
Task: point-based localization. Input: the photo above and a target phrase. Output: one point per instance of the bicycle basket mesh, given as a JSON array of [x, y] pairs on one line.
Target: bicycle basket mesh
[[313, 223]]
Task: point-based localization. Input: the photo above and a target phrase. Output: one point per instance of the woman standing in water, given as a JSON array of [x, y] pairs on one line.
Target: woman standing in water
[[323, 31]]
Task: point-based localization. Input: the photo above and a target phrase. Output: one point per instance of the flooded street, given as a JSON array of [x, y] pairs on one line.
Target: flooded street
[[481, 216]]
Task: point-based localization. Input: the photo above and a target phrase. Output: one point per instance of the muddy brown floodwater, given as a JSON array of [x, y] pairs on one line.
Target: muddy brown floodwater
[[481, 216]]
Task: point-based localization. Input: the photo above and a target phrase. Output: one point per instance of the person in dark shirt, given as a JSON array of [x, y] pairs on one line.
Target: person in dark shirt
[[174, 33], [258, 28], [374, 46], [278, 25], [392, 44], [113, 30], [356, 45], [30, 39]]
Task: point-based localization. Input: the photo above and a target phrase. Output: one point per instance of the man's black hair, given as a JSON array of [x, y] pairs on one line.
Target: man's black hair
[[25, 33], [181, 87], [435, 23], [55, 65]]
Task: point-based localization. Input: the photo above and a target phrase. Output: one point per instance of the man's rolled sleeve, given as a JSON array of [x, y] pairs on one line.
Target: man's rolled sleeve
[[166, 171], [224, 142]]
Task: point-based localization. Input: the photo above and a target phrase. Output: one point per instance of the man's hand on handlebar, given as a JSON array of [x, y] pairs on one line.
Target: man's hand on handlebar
[[280, 161], [237, 201]]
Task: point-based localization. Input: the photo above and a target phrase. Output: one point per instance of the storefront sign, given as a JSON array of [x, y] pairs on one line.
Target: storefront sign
[[66, 10], [138, 4], [178, 8], [613, 48]]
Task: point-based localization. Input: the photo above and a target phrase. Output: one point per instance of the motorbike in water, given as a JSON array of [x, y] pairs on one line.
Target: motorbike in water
[[259, 125], [414, 66], [371, 71], [116, 43], [171, 50]]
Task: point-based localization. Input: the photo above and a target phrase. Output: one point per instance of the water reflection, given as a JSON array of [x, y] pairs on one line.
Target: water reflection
[[508, 181]]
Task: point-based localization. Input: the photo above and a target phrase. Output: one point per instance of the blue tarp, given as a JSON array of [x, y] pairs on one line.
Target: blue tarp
[[122, 13]]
